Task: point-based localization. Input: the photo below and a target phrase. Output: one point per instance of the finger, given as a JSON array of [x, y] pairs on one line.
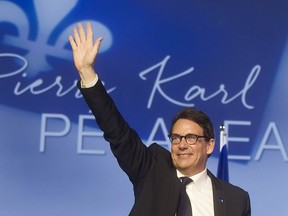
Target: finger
[[97, 45], [76, 36], [72, 42], [81, 32], [90, 34]]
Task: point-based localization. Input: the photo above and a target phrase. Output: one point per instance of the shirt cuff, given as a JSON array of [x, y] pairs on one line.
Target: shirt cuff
[[90, 84]]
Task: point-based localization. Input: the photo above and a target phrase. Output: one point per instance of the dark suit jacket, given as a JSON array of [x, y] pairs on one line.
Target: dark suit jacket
[[150, 169]]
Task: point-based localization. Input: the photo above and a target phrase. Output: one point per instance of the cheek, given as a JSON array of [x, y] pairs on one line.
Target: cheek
[[173, 154], [199, 152], [173, 149]]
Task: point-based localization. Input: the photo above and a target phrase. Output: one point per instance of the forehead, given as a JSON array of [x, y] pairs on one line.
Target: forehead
[[185, 126]]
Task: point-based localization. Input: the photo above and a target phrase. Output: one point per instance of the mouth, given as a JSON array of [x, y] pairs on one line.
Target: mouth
[[184, 155]]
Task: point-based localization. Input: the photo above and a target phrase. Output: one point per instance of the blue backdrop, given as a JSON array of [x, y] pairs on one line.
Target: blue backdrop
[[227, 58]]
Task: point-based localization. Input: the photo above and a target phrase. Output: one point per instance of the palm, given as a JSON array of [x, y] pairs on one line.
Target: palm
[[84, 56], [84, 49]]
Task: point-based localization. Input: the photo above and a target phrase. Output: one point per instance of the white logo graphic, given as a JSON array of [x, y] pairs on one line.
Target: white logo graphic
[[49, 15]]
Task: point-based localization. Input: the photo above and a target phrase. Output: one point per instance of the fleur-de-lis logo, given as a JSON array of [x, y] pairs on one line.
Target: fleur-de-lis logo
[[49, 15]]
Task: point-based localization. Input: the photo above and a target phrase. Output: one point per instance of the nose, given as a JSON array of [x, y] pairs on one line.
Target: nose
[[183, 144]]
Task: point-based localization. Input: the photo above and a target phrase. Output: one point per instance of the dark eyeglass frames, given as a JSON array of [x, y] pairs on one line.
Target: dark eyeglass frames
[[190, 139]]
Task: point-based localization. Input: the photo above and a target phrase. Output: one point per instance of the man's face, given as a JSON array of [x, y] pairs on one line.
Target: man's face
[[190, 159]]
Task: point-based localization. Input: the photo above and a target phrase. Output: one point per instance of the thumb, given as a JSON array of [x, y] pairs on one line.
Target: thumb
[[97, 45]]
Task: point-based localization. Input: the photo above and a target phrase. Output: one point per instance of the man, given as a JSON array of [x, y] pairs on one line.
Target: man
[[154, 171]]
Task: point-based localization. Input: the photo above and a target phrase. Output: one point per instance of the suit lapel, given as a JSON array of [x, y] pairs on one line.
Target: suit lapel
[[218, 196], [175, 188]]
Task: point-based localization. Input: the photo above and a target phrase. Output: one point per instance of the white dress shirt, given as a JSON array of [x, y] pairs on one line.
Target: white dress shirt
[[90, 84], [200, 193]]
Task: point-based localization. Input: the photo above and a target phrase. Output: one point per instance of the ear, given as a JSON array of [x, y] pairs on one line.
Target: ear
[[210, 146]]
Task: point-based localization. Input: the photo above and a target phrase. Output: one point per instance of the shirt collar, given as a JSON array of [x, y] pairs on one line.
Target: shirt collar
[[198, 179]]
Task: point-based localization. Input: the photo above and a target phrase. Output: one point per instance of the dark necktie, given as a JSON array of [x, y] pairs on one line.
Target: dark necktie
[[184, 205]]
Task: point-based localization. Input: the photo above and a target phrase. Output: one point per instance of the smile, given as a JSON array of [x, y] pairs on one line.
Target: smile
[[184, 155]]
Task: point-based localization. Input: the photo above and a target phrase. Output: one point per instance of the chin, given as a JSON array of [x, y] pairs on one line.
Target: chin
[[182, 165]]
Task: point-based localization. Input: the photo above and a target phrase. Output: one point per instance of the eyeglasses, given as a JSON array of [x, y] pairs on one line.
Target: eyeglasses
[[191, 139]]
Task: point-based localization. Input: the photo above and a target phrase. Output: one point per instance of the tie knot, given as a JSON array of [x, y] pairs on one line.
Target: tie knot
[[186, 180]]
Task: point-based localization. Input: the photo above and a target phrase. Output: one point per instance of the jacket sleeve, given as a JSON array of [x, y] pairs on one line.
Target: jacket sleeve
[[132, 155]]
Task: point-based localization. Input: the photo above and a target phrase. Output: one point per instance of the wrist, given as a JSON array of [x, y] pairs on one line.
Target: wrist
[[87, 75], [89, 84]]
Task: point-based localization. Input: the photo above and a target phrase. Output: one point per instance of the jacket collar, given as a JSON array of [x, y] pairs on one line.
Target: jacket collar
[[218, 196]]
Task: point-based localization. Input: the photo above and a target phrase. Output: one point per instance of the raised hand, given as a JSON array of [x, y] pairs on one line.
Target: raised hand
[[85, 51]]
